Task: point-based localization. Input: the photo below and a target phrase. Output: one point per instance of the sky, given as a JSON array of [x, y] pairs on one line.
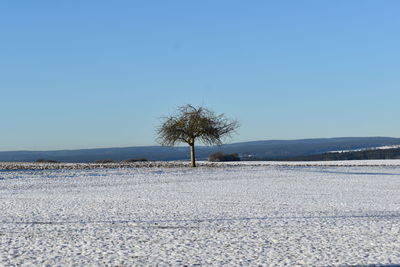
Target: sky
[[88, 74]]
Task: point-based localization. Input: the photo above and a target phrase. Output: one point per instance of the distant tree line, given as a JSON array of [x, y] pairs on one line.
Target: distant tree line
[[46, 161], [124, 161], [393, 153], [100, 161], [220, 156]]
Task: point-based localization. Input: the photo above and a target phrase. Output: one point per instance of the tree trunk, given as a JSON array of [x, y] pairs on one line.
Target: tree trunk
[[192, 155]]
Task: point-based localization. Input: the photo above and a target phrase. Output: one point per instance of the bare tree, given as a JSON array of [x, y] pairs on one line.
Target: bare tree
[[191, 124]]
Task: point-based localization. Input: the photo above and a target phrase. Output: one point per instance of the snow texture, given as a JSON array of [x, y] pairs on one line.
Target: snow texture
[[283, 215]]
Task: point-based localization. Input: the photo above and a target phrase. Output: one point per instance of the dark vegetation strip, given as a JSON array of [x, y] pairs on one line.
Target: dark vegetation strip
[[393, 216], [23, 166]]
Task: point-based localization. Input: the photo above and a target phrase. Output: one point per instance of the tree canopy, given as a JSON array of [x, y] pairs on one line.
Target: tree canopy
[[191, 124]]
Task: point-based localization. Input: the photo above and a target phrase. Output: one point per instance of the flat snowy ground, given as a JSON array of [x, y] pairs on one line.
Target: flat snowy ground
[[228, 215]]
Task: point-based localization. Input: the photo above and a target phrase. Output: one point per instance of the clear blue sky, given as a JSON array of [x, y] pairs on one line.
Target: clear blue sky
[[85, 74]]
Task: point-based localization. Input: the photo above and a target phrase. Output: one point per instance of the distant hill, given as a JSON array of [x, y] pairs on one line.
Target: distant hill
[[391, 153], [255, 150]]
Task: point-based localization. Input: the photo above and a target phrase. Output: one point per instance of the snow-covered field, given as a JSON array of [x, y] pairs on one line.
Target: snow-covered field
[[234, 214]]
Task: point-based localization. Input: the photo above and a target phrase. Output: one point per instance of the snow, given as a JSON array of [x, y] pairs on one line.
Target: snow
[[255, 213], [366, 148]]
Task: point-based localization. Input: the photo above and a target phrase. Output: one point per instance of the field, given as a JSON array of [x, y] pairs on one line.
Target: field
[[269, 214]]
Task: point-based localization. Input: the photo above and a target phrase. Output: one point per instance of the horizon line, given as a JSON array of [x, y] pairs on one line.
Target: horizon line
[[155, 145]]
